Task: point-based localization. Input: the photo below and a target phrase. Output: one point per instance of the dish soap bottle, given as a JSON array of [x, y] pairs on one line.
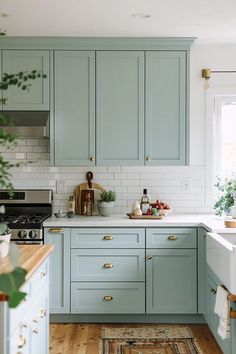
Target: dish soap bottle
[[71, 204], [145, 202]]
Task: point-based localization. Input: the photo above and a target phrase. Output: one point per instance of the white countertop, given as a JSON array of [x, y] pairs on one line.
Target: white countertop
[[210, 222]]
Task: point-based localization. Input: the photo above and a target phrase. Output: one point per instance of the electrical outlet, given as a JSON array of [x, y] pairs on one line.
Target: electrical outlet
[[61, 188], [186, 184]]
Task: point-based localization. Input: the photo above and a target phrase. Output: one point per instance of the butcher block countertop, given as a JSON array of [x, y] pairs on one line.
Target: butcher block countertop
[[31, 257]]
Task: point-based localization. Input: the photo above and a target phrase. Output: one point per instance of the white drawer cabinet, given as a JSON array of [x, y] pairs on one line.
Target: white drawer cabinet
[[26, 328]]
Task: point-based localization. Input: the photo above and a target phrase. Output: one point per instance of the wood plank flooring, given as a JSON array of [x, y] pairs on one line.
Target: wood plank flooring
[[75, 338]]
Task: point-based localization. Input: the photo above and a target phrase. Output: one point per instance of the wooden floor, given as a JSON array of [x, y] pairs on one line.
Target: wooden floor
[[74, 338]]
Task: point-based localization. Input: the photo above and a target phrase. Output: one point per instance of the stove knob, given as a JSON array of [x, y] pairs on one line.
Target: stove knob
[[22, 234], [33, 234]]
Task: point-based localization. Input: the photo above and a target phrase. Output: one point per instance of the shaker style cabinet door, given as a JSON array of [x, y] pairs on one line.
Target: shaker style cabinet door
[[165, 107], [59, 275], [171, 281], [120, 107], [74, 108], [37, 96]]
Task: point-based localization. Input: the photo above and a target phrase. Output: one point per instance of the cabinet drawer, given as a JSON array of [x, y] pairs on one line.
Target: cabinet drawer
[[107, 265], [171, 238], [107, 238], [108, 298]]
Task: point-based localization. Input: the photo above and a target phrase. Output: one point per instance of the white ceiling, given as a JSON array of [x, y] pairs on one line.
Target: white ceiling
[[209, 20]]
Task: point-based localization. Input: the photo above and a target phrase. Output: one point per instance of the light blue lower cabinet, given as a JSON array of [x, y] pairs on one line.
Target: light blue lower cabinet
[[108, 265], [59, 269], [108, 298], [171, 281]]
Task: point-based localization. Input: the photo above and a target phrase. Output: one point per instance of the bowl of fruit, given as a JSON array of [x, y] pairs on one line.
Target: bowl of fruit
[[163, 208]]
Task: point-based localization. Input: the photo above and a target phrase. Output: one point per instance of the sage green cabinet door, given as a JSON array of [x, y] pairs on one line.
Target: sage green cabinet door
[[171, 281], [37, 96], [120, 108], [74, 108], [59, 275], [165, 107]]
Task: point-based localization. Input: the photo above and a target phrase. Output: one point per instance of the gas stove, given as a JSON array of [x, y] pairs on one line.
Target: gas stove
[[25, 211]]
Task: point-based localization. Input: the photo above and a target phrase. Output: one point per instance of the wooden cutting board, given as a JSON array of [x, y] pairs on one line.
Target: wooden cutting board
[[96, 187]]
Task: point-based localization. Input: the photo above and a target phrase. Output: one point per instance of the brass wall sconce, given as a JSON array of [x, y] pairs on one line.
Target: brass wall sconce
[[206, 74]]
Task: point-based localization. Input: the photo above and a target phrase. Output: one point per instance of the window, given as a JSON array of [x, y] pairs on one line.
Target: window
[[224, 153]]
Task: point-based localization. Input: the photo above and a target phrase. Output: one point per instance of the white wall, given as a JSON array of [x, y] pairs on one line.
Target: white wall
[[215, 56]]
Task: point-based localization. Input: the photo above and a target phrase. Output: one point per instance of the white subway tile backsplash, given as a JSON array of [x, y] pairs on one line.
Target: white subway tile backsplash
[[162, 182]]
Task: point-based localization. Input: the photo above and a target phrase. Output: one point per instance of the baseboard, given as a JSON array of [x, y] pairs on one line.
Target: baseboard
[[127, 318]]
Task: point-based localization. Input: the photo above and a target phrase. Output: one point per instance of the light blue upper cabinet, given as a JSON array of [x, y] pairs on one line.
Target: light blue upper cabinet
[[166, 108], [74, 108], [120, 107], [37, 97]]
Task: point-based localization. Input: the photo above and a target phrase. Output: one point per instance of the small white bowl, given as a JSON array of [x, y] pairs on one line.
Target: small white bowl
[[60, 215]]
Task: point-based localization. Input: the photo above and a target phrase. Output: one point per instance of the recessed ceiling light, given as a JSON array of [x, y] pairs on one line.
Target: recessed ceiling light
[[140, 15]]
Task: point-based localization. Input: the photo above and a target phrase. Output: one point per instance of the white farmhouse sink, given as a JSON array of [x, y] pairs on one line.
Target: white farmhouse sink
[[221, 257]]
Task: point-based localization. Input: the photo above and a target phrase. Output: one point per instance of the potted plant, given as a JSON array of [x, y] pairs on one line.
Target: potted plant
[[11, 279], [226, 190], [106, 203]]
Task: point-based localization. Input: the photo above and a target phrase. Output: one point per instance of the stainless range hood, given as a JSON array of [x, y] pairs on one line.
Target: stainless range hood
[[27, 123]]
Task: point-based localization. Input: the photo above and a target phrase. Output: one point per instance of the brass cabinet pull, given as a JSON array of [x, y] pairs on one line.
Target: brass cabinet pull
[[24, 325], [108, 298], [107, 238], [149, 257], [213, 291], [92, 158], [42, 312], [21, 341], [172, 238], [108, 266], [56, 230]]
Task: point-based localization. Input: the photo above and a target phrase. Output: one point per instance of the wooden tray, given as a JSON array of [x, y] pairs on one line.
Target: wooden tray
[[149, 217], [230, 223]]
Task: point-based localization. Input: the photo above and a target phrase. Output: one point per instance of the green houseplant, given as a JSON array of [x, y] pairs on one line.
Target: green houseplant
[[11, 281], [106, 203], [226, 189]]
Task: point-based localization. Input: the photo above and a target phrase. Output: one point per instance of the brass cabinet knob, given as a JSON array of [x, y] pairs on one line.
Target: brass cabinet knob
[[108, 298], [56, 230], [149, 257], [92, 158], [172, 238], [42, 312], [21, 341], [213, 291], [42, 274], [148, 159], [108, 266], [107, 238]]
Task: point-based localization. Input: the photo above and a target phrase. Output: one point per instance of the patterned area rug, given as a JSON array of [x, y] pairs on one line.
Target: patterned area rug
[[148, 340]]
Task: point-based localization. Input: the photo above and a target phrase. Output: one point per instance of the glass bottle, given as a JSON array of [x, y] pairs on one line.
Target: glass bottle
[[145, 202]]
